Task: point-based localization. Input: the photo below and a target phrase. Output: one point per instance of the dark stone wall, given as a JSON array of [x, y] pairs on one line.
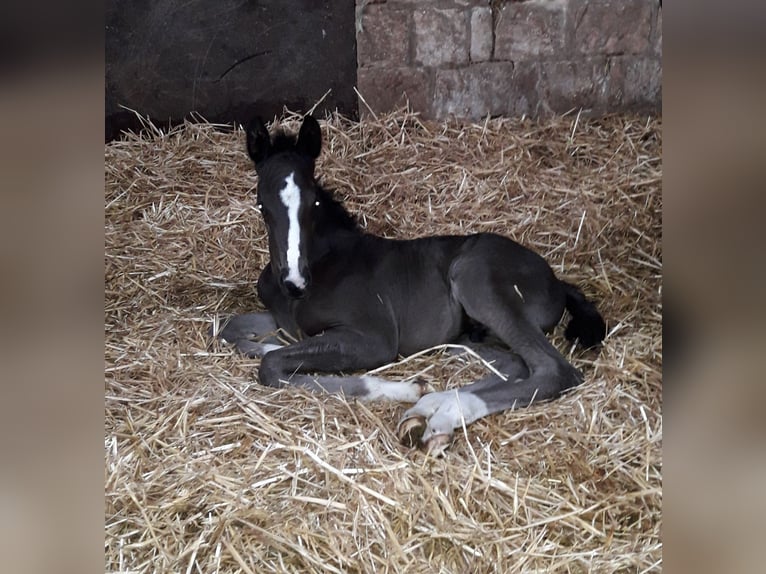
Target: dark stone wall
[[472, 58], [227, 59]]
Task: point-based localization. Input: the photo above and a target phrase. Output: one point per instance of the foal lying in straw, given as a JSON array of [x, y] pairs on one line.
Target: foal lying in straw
[[354, 301]]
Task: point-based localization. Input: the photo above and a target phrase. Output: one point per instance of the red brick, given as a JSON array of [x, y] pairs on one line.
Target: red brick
[[611, 26], [385, 36], [529, 31]]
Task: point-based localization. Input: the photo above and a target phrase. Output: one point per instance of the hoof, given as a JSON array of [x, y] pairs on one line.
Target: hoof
[[424, 386], [411, 429], [437, 444]]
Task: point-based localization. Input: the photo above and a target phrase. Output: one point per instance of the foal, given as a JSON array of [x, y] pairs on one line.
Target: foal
[[355, 301]]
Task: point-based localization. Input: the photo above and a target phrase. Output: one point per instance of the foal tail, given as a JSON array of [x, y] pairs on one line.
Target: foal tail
[[587, 325]]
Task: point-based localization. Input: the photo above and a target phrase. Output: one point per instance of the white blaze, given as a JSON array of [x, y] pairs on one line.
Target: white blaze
[[291, 198]]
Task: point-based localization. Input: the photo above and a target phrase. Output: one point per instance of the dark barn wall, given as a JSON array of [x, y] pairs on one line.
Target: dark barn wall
[[227, 60]]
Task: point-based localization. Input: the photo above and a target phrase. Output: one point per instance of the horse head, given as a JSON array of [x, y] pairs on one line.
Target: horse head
[[287, 197]]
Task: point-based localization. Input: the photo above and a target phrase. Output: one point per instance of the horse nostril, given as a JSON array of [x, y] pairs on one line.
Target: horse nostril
[[294, 286], [293, 290]]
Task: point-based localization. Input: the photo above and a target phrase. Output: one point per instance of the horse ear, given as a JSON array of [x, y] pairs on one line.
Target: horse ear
[[258, 141], [310, 137]]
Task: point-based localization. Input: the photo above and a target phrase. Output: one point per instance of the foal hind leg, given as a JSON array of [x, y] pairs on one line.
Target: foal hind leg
[[502, 360], [488, 291], [503, 312], [435, 416], [549, 372], [253, 334]]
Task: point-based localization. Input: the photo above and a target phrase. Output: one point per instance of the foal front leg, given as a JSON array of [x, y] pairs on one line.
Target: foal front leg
[[253, 334], [335, 351]]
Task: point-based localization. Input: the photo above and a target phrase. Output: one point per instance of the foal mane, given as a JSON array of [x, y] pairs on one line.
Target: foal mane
[[282, 141], [334, 213]]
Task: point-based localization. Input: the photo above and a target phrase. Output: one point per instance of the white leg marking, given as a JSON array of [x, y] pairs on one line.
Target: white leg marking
[[391, 390], [265, 346], [447, 410], [253, 349], [268, 347], [291, 198]]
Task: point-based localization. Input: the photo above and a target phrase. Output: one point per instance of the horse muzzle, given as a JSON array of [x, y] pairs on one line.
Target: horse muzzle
[[295, 288]]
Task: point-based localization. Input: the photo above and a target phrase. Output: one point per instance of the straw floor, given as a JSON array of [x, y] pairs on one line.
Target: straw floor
[[206, 471]]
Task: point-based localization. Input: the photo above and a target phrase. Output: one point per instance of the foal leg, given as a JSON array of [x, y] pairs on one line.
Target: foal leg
[[435, 416], [335, 351], [493, 303], [487, 288], [254, 334], [503, 360]]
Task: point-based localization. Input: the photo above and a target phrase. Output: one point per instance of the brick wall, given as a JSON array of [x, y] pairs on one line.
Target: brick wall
[[470, 58]]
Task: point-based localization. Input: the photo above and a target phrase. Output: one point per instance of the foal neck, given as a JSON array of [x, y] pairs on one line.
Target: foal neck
[[334, 218]]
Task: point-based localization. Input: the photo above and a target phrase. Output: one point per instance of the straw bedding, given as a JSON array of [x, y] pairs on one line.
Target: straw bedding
[[206, 471]]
